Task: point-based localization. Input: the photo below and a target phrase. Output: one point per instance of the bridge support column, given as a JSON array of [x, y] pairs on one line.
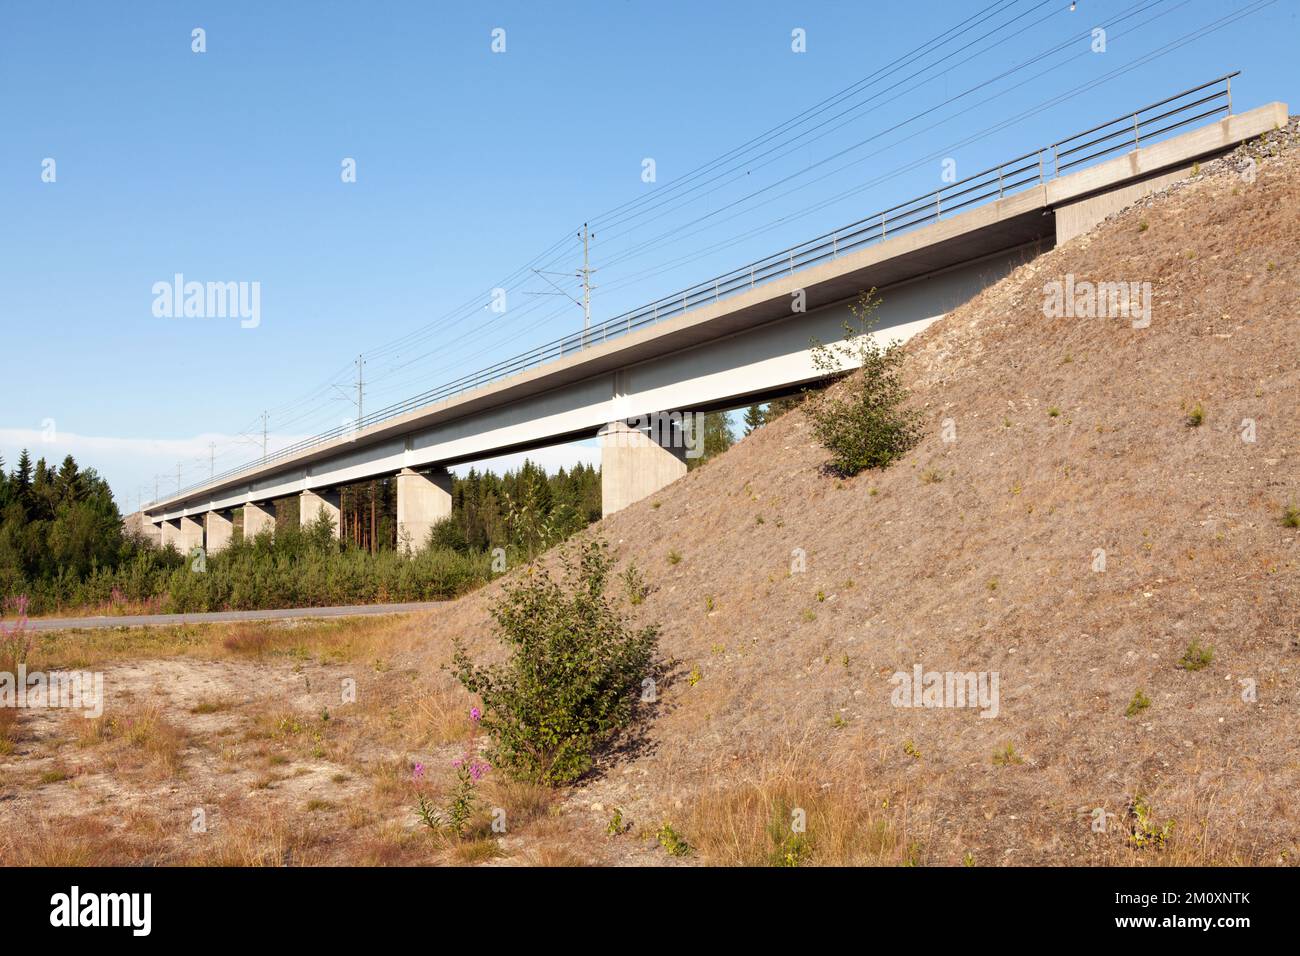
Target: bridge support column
[[191, 534], [171, 534], [258, 518], [313, 504], [422, 501], [218, 528], [634, 466]]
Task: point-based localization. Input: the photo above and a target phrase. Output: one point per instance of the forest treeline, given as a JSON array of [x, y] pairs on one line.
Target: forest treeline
[[64, 545]]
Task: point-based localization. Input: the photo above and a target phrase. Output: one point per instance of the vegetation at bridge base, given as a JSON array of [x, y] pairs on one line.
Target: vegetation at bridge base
[[308, 567], [864, 423], [522, 511], [63, 546]]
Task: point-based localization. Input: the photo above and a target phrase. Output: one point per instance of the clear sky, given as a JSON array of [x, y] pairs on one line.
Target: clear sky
[[227, 166]]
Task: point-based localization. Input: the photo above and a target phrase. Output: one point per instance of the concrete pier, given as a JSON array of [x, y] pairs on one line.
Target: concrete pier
[[258, 518], [633, 465], [191, 534], [218, 528], [312, 504], [423, 499], [171, 534]]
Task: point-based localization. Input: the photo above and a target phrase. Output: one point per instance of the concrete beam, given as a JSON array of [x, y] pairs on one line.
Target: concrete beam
[[258, 518], [423, 499], [313, 504], [634, 466], [219, 528]]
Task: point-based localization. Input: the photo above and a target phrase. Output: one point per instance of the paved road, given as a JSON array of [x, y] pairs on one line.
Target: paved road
[[220, 617]]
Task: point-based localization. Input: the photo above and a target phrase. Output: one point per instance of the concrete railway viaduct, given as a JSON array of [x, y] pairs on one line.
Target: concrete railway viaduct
[[729, 341]]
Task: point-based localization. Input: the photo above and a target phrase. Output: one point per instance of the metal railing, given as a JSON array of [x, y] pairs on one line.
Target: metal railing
[[1129, 131]]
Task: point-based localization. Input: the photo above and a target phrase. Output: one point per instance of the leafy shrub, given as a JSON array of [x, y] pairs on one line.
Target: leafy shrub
[[1006, 756], [1196, 657], [1144, 831], [448, 535], [863, 425], [635, 585], [1139, 703], [569, 685], [672, 841]]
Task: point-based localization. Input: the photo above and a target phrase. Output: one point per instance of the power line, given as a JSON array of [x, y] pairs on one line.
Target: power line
[[458, 312]]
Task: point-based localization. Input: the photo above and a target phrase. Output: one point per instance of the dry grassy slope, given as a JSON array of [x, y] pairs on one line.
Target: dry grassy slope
[[990, 569]]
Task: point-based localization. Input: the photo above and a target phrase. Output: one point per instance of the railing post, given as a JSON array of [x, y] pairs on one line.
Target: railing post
[[715, 290], [1137, 141], [1056, 162], [791, 262], [884, 230], [999, 182], [1229, 95], [751, 276], [938, 211]]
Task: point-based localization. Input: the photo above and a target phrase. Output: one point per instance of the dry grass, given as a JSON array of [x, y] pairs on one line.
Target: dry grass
[[524, 803], [475, 850], [789, 814], [367, 639], [141, 738], [260, 839], [8, 730], [85, 840], [212, 705], [150, 732], [555, 856], [247, 639]]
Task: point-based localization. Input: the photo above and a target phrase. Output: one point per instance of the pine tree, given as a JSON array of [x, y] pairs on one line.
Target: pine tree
[[753, 418], [22, 479], [717, 438], [68, 482]]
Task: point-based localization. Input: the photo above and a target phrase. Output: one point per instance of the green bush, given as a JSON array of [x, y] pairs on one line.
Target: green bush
[[1196, 657], [863, 425], [570, 684]]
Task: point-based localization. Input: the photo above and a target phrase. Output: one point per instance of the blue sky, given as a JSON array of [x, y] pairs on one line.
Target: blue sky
[[225, 166]]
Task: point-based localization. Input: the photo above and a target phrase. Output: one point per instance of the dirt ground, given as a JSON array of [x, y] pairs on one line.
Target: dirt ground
[[1111, 495]]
